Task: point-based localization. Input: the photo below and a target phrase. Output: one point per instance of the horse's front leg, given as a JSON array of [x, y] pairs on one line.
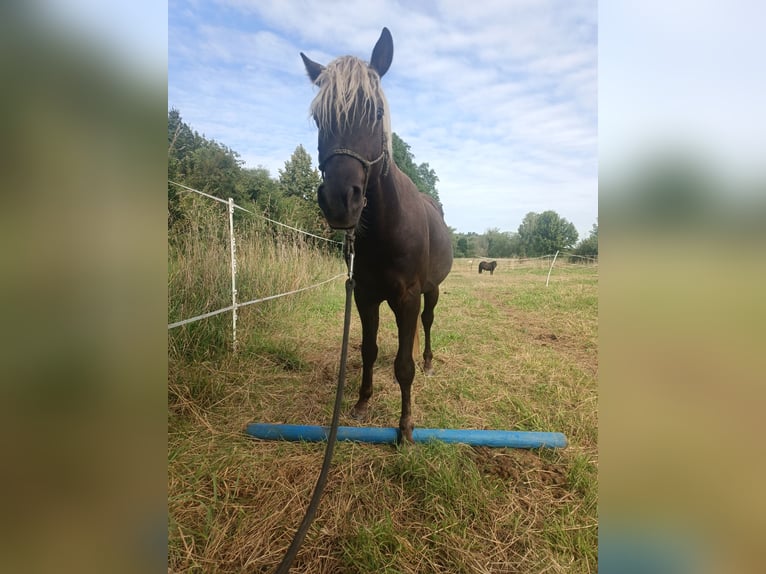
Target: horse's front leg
[[369, 313], [406, 311]]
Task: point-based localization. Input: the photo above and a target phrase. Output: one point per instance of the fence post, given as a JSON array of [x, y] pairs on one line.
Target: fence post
[[551, 269], [233, 276]]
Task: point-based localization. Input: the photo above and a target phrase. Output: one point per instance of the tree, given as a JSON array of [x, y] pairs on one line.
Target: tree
[[421, 175], [477, 244], [545, 233], [499, 243], [199, 163], [298, 182], [588, 247], [461, 249], [258, 185], [181, 138], [215, 169], [298, 178], [181, 141], [515, 246], [427, 179], [403, 157]]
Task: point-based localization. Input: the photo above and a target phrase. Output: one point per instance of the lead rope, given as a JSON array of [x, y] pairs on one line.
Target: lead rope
[[287, 561]]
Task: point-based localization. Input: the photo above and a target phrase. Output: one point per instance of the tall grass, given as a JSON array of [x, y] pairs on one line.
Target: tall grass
[[270, 260], [509, 353]]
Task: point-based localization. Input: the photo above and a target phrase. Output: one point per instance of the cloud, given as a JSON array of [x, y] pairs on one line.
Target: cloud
[[494, 95]]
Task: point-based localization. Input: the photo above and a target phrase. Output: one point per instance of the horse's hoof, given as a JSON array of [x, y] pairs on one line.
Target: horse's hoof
[[359, 413], [428, 371], [405, 432]]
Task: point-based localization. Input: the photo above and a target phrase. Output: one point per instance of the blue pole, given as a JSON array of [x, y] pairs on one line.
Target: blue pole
[[494, 438]]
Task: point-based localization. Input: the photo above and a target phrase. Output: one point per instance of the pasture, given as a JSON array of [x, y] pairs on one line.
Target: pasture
[[509, 353]]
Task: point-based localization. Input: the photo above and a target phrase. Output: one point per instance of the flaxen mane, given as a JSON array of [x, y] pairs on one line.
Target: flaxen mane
[[350, 93]]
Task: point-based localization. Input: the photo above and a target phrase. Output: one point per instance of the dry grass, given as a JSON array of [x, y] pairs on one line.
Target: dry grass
[[509, 353]]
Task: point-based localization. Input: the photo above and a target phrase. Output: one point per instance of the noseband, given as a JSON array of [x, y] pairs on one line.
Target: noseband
[[366, 164]]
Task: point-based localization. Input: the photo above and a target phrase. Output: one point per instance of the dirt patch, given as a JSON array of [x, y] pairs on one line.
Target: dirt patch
[[547, 337], [523, 470]]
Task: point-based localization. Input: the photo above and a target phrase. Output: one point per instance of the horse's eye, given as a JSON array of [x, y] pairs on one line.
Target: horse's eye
[[380, 113]]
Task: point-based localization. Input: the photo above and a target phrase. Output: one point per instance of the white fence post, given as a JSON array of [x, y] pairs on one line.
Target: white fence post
[[551, 269], [233, 276], [234, 305]]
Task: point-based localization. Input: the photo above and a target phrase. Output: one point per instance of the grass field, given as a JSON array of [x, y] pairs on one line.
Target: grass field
[[509, 353]]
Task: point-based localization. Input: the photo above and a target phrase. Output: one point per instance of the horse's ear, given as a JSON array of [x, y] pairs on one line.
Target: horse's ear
[[382, 53], [312, 68]]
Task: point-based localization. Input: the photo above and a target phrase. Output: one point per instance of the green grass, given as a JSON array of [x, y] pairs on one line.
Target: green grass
[[509, 353], [373, 548]]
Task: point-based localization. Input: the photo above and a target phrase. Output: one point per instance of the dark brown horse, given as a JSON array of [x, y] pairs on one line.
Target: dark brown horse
[[487, 266], [402, 247]]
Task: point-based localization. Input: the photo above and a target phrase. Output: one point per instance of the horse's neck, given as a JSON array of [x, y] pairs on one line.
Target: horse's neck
[[392, 202], [385, 201], [392, 190]]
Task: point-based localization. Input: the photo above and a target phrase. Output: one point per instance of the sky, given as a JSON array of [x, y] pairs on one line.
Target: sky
[[499, 97]]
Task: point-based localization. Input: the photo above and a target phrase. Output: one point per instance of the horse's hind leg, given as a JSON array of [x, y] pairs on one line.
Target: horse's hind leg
[[430, 300], [369, 313]]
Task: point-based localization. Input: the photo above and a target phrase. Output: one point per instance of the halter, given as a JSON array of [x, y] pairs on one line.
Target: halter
[[366, 164]]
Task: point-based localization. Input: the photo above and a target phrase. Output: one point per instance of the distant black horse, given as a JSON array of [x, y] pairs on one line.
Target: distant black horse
[[403, 248], [487, 266]]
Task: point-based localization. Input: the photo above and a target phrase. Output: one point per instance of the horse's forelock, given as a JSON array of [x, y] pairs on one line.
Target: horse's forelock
[[350, 91]]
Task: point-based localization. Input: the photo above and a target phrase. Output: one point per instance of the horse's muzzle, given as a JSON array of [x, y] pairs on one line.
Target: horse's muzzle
[[341, 207]]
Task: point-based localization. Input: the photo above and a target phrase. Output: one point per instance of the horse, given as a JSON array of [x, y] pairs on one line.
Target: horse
[[402, 246], [487, 266]]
